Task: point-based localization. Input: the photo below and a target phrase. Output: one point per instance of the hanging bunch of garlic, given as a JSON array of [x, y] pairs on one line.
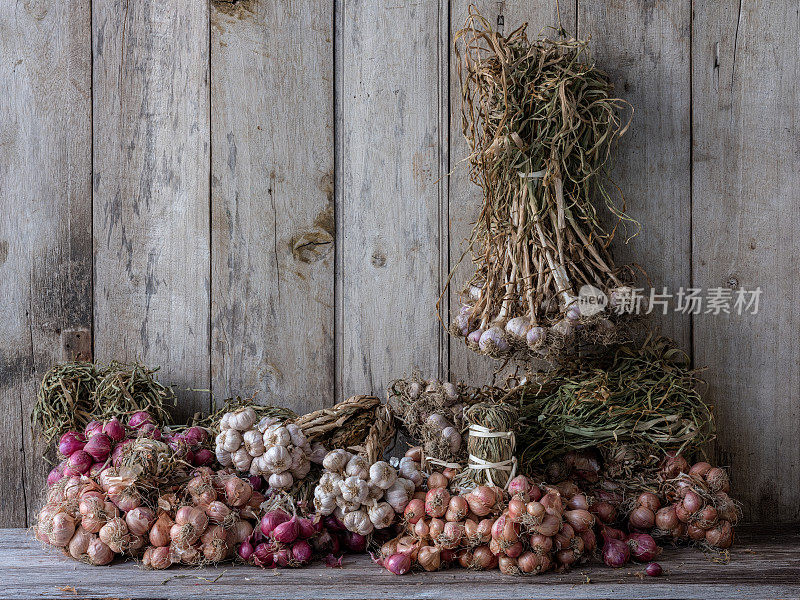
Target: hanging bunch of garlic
[[275, 449], [363, 496]]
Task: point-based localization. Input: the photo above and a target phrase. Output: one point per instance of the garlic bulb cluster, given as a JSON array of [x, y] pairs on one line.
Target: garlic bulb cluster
[[267, 447], [365, 497], [433, 412]]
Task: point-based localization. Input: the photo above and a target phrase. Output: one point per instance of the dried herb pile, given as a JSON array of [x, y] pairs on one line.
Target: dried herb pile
[[73, 393], [644, 397]]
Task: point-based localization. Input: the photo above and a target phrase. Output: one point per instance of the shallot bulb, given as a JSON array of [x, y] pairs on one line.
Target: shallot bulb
[[114, 534], [62, 530], [139, 520], [398, 564], [98, 553], [71, 442], [140, 418], [79, 543], [615, 552], [98, 447], [643, 547], [92, 428], [436, 502], [114, 430]]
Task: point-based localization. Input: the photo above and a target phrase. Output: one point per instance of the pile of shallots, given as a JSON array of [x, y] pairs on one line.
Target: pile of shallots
[[283, 540], [696, 506], [89, 452], [527, 529], [201, 521]]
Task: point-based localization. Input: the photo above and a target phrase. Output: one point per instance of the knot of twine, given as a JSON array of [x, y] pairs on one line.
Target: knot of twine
[[479, 464]]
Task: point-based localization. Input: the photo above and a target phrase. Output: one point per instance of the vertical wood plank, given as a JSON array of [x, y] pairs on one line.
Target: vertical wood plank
[[151, 185], [45, 222], [746, 229], [390, 65], [645, 47], [465, 197], [273, 224]]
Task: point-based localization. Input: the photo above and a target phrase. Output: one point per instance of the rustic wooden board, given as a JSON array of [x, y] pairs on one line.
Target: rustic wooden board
[[745, 229], [465, 197], [151, 189], [45, 221], [763, 566], [272, 200], [645, 48], [388, 125]]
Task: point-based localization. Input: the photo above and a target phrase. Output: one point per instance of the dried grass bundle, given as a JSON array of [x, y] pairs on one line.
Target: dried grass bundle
[[643, 402], [490, 445]]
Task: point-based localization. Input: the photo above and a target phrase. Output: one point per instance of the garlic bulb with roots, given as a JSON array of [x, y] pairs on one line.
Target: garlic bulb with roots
[[354, 489], [517, 328], [382, 474], [253, 442], [474, 338], [336, 460], [242, 419], [461, 322], [281, 481], [492, 341], [363, 495], [357, 466], [358, 522], [535, 337]]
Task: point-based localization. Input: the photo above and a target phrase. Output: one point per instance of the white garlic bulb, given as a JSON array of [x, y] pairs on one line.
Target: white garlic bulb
[[382, 474], [278, 459], [398, 495], [253, 442], [357, 466], [281, 481], [241, 459], [354, 489], [276, 435], [336, 460], [358, 522], [224, 457], [381, 515], [242, 419], [231, 440], [259, 466], [325, 505]]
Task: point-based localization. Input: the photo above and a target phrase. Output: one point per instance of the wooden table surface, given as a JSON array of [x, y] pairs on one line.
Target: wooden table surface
[[762, 565]]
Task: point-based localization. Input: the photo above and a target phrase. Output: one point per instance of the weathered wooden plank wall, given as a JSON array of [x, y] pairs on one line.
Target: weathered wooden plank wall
[[272, 229], [746, 204], [253, 195], [45, 221], [390, 65], [151, 136]]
